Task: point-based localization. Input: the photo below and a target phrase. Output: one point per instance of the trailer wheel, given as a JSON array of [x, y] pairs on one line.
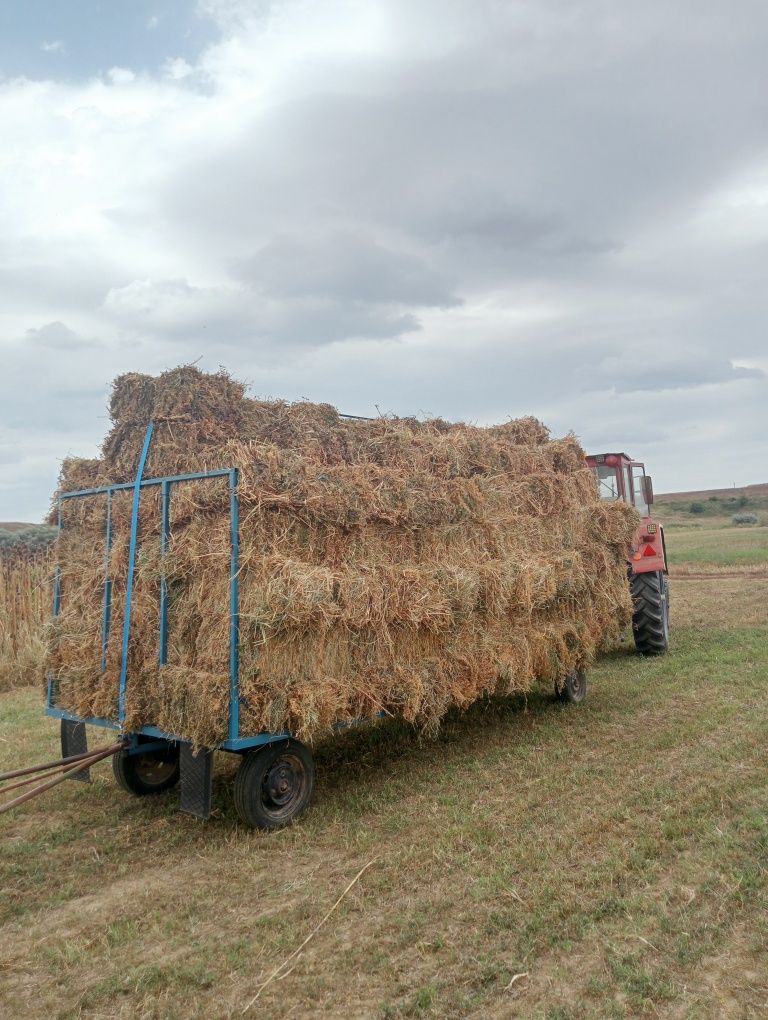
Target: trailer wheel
[[274, 784], [142, 774], [574, 687], [650, 614]]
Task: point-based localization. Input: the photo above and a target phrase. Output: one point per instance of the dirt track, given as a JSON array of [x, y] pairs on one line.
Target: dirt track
[[708, 575]]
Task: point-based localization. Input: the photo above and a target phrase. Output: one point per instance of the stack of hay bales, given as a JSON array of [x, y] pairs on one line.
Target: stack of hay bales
[[392, 565]]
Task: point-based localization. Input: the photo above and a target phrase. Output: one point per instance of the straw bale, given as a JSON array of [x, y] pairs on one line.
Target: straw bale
[[391, 566]]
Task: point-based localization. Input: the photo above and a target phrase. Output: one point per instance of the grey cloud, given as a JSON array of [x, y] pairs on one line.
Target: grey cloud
[[646, 368], [28, 279], [236, 316], [604, 139], [57, 336], [39, 392], [314, 322], [54, 380], [442, 188], [344, 265]]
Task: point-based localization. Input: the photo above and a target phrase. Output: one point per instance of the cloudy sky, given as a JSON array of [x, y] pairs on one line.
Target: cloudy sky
[[471, 208]]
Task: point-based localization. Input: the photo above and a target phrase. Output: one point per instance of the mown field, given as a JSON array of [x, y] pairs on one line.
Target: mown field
[[536, 861], [710, 546]]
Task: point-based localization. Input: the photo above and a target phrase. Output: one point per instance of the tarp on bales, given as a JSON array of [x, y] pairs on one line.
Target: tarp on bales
[[393, 565]]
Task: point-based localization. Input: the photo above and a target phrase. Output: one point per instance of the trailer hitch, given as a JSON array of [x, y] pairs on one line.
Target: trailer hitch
[[61, 769]]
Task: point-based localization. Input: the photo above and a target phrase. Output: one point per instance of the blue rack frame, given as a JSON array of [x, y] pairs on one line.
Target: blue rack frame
[[234, 741]]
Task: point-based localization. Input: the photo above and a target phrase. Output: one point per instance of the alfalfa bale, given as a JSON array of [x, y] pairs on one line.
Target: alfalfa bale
[[392, 565]]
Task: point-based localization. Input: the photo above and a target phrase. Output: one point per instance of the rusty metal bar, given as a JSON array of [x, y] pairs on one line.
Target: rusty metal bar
[[24, 797], [81, 760], [51, 764], [31, 779]]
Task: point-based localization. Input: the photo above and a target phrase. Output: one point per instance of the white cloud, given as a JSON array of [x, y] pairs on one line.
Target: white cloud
[[53, 46], [177, 68], [121, 75]]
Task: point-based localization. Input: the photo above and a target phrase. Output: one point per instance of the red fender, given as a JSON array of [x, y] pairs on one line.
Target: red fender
[[648, 553]]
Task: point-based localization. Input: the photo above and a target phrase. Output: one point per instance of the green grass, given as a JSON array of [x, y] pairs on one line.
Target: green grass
[[723, 546]]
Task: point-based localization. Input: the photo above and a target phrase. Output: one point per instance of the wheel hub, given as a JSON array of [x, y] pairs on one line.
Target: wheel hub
[[282, 783], [155, 768]]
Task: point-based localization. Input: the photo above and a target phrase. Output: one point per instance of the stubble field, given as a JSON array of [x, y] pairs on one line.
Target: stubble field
[[535, 861]]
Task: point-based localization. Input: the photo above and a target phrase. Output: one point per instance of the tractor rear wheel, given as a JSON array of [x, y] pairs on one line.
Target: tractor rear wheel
[[650, 612]]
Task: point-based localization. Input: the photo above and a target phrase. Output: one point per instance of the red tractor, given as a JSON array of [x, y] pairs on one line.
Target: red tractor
[[620, 477]]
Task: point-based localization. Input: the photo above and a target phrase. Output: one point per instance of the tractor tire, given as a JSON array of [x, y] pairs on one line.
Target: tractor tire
[[274, 784], [650, 613], [142, 774]]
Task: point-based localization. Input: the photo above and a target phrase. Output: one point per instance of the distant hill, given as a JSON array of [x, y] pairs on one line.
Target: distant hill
[[759, 491], [17, 539], [713, 502]]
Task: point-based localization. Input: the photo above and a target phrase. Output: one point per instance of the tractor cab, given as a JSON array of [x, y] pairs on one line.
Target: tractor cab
[[620, 477]]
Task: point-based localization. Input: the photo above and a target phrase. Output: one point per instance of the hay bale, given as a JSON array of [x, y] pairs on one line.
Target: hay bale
[[396, 565]]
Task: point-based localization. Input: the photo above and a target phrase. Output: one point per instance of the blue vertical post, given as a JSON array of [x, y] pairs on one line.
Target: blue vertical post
[[165, 527], [107, 608], [234, 610], [131, 568]]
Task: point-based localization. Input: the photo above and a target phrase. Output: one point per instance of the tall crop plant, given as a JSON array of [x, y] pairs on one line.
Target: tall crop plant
[[25, 604]]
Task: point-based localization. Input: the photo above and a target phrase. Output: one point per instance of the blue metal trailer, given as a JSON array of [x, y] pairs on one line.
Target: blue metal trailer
[[275, 780]]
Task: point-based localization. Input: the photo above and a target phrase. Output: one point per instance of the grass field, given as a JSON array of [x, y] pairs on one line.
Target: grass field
[[536, 861], [713, 545]]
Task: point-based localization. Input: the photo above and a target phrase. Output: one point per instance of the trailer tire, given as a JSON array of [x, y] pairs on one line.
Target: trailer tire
[[650, 612], [274, 784], [143, 774], [574, 687]]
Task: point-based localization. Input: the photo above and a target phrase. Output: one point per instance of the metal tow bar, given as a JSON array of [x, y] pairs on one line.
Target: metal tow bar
[[60, 770]]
